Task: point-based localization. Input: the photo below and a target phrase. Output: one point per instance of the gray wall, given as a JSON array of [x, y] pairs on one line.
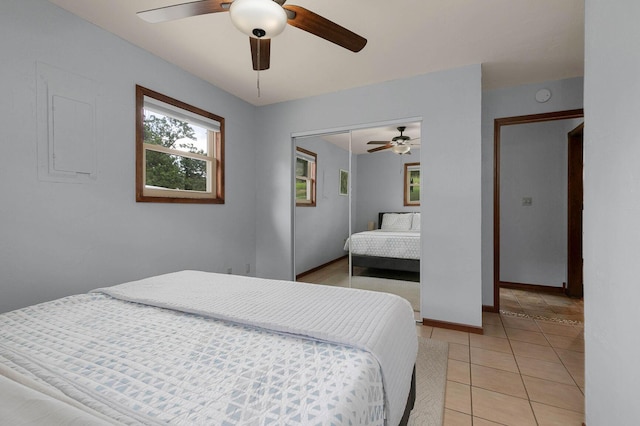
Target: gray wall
[[533, 238], [611, 211], [381, 185], [451, 163], [59, 238], [320, 231], [510, 102]]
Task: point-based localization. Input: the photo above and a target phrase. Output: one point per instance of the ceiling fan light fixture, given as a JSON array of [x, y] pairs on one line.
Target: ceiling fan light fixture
[[401, 149], [258, 18]]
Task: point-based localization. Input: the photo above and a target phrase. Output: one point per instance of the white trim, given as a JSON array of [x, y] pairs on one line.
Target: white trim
[[164, 108], [171, 151], [346, 129]]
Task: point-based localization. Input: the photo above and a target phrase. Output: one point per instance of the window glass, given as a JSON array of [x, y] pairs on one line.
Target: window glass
[[414, 185]]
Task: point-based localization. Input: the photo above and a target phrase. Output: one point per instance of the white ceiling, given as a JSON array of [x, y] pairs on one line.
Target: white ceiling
[[516, 41]]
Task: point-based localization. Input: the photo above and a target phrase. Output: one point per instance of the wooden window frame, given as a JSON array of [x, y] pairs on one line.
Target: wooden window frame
[[215, 156], [312, 178], [407, 185]]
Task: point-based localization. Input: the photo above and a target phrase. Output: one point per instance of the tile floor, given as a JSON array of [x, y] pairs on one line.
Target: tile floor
[[535, 304], [526, 369]]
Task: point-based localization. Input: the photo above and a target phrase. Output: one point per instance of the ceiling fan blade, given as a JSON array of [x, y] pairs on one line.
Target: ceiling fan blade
[[377, 142], [322, 27], [380, 148], [262, 61], [184, 10]]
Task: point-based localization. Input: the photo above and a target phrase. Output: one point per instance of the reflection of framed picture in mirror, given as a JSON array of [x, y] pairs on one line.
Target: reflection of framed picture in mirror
[[412, 184], [344, 182]]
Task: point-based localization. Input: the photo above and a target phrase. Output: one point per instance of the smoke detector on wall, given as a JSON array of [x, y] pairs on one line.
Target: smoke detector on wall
[[543, 95]]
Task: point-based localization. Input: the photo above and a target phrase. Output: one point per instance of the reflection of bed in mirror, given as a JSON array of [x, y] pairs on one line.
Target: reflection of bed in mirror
[[394, 246]]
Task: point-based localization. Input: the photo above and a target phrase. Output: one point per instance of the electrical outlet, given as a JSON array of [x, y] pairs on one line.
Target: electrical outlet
[[527, 201]]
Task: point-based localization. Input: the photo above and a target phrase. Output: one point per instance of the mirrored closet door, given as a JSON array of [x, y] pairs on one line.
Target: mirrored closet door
[[321, 217], [363, 230]]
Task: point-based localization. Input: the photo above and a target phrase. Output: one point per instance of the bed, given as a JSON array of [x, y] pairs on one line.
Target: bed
[[195, 347], [394, 246]]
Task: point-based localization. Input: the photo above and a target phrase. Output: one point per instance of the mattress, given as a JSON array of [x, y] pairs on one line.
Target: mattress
[[395, 244], [201, 348]]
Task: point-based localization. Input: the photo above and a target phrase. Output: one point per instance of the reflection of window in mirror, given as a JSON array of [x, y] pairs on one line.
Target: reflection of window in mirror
[[344, 182], [179, 151], [305, 178], [412, 184]]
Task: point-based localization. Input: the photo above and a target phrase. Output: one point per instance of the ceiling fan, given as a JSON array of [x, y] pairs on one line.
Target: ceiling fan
[[400, 144], [261, 20]]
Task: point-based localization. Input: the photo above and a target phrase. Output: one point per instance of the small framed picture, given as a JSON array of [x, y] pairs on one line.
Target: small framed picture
[[344, 182]]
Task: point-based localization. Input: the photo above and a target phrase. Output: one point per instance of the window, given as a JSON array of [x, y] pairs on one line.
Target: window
[[305, 178], [344, 182], [179, 151], [412, 184]]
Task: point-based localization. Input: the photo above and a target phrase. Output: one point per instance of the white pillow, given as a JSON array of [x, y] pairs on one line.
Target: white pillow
[[396, 221], [415, 222]]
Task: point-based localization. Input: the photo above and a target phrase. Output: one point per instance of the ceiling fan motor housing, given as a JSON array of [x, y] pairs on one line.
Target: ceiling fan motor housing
[[258, 18], [402, 139]]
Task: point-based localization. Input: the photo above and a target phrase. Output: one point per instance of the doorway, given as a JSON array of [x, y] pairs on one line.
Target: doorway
[[500, 125]]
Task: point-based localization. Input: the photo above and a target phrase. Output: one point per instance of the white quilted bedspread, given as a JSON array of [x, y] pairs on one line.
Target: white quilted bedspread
[[379, 323], [396, 244], [137, 363], [140, 364]]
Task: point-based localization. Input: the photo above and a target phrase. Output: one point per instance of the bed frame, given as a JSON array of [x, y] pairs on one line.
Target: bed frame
[[411, 400], [392, 263]]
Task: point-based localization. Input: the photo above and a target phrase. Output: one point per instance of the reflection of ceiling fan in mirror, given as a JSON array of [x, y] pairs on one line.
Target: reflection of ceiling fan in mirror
[[261, 20], [400, 144]]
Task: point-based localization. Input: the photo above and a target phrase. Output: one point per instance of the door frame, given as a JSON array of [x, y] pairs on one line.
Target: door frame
[[575, 207], [497, 126]]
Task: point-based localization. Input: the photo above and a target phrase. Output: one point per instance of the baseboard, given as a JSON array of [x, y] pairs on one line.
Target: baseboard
[[317, 268], [452, 326], [536, 287], [487, 308]]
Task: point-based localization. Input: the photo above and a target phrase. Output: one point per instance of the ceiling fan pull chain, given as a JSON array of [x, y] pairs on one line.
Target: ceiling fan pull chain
[[258, 70], [258, 82]]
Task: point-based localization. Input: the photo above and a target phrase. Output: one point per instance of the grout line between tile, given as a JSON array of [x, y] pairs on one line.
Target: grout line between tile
[[526, 391]]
